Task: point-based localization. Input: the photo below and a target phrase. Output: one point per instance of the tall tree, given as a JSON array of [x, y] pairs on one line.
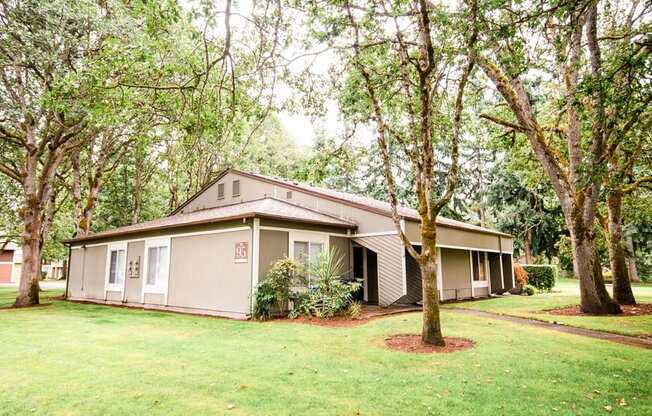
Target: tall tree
[[214, 79], [572, 122], [51, 75], [529, 211], [410, 87]]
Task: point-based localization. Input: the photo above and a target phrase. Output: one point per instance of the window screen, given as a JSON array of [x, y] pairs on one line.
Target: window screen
[[301, 251], [157, 265], [288, 195], [220, 191], [315, 251], [117, 267], [308, 254]]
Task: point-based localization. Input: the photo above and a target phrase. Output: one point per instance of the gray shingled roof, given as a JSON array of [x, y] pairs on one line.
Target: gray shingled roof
[[266, 208]]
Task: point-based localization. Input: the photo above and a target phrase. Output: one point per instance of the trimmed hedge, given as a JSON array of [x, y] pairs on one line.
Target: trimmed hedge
[[541, 276]]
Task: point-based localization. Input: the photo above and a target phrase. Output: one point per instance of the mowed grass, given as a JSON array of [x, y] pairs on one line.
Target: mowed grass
[[565, 293], [80, 359], [8, 295]]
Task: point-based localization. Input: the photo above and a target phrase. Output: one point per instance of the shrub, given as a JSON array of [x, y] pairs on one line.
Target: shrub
[[565, 254], [354, 310], [276, 289], [282, 276], [520, 275], [528, 290], [264, 299], [541, 276], [301, 305], [329, 295]]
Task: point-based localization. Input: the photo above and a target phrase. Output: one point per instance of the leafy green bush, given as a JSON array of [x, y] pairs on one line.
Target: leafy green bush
[[264, 300], [528, 290], [276, 289], [541, 276], [565, 254], [330, 295]]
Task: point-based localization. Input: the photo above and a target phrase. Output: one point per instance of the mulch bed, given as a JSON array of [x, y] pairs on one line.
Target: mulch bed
[[345, 321], [574, 310], [412, 343], [335, 322]]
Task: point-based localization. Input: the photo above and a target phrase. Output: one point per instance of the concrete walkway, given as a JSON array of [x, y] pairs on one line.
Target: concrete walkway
[[620, 339]]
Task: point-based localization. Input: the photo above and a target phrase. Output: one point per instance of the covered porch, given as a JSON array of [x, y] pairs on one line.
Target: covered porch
[[388, 273]]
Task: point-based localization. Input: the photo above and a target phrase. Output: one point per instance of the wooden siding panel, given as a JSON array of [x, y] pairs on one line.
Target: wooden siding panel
[[413, 278], [390, 266]]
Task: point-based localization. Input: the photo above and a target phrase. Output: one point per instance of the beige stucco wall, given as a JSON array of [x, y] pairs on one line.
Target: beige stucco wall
[[273, 246], [448, 236], [480, 292], [114, 296], [87, 272], [413, 231], [133, 286], [343, 247], [460, 238], [203, 273], [75, 272], [456, 273], [507, 244], [154, 299]]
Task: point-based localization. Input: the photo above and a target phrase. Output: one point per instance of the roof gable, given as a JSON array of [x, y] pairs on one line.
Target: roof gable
[[353, 200]]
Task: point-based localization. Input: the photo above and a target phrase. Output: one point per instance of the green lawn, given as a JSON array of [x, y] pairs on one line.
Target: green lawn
[[565, 293], [77, 359], [8, 295]]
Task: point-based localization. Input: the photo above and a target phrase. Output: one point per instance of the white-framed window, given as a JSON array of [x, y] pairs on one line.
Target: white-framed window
[[116, 266], [220, 191], [306, 247], [157, 265], [308, 253]]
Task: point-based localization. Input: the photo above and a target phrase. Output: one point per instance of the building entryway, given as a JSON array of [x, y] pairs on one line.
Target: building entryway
[[365, 267]]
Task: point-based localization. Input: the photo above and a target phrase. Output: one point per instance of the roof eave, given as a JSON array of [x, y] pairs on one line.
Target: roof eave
[[98, 236], [101, 236]]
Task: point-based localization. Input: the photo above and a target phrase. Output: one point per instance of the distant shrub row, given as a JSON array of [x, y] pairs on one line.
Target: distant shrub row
[[541, 276]]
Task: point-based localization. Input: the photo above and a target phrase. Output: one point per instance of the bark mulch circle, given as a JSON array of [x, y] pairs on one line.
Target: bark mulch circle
[[413, 343], [628, 310]]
